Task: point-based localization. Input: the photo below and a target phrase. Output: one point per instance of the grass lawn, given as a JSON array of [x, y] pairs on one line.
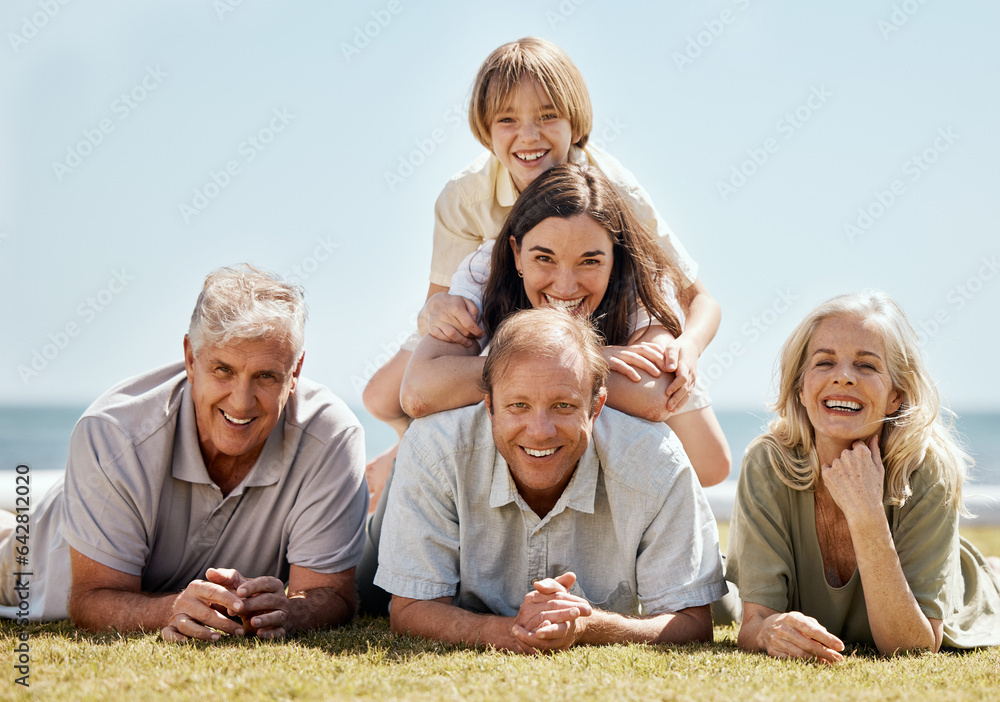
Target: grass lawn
[[365, 661]]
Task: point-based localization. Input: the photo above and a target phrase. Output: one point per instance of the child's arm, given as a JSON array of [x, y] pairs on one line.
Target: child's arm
[[702, 311], [680, 355]]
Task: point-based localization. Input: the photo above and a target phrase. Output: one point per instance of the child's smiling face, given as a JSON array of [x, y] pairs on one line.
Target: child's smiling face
[[529, 135]]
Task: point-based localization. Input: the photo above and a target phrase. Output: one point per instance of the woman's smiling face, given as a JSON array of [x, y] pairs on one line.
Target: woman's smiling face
[[846, 389], [566, 263]]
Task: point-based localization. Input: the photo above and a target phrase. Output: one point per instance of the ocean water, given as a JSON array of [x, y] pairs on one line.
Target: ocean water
[[39, 437]]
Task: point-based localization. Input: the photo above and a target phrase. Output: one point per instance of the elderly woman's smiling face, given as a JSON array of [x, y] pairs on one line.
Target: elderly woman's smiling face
[[565, 263], [846, 389]]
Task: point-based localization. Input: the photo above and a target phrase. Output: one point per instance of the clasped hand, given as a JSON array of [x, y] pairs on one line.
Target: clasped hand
[[550, 617], [204, 608], [449, 318], [673, 357]]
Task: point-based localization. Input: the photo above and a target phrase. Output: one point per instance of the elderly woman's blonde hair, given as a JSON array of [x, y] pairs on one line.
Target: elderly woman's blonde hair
[[244, 303], [910, 435]]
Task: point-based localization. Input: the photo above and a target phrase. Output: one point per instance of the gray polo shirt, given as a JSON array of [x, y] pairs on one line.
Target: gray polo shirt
[[138, 497], [633, 522]]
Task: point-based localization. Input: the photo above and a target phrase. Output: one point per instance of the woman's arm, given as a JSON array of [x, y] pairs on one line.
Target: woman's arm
[[855, 481], [441, 375]]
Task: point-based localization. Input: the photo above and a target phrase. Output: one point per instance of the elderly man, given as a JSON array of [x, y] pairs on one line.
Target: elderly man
[[536, 520], [202, 489]]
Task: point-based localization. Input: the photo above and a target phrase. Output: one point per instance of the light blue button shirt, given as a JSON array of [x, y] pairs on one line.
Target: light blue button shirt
[[633, 522]]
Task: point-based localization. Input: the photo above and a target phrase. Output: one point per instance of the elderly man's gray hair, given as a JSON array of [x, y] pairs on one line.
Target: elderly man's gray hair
[[247, 303]]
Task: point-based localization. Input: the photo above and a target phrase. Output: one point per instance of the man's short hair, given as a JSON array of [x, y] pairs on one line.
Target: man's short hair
[[247, 303], [544, 332]]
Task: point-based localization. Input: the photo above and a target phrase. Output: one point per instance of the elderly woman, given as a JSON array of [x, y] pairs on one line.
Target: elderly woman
[[571, 242], [845, 528]]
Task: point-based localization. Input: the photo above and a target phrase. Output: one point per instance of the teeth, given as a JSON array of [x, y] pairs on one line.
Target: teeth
[[234, 420], [564, 304], [842, 405], [531, 155], [538, 454]]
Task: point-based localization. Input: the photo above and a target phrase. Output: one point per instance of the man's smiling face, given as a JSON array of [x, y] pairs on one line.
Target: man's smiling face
[[543, 418], [239, 391]]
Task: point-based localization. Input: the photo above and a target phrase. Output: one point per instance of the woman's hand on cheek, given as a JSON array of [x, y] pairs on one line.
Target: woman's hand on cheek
[[855, 479]]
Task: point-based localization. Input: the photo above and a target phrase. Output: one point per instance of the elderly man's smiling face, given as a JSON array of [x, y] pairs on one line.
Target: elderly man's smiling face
[[239, 391], [543, 418]]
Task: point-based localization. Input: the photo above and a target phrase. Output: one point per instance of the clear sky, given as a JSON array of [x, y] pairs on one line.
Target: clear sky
[[799, 150]]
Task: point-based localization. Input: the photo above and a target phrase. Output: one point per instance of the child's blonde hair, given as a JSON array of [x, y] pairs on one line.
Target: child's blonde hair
[[531, 57]]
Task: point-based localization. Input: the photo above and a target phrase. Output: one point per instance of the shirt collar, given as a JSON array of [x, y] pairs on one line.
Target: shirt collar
[[579, 493], [505, 189]]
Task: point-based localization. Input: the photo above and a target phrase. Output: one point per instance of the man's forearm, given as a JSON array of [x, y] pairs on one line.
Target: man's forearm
[[318, 608], [103, 609], [438, 620], [692, 624]]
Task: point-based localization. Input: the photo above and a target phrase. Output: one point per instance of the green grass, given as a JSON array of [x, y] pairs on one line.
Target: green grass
[[365, 661]]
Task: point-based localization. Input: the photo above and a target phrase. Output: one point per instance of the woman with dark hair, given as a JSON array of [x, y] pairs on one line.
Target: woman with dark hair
[[571, 242]]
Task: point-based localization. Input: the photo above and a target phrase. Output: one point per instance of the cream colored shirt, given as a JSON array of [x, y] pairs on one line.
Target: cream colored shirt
[[474, 204]]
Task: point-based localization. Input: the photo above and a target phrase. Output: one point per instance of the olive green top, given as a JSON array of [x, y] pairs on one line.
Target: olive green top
[[774, 558]]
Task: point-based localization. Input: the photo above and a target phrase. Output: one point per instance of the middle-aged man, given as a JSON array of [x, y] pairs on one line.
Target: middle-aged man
[[203, 488], [536, 520]]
